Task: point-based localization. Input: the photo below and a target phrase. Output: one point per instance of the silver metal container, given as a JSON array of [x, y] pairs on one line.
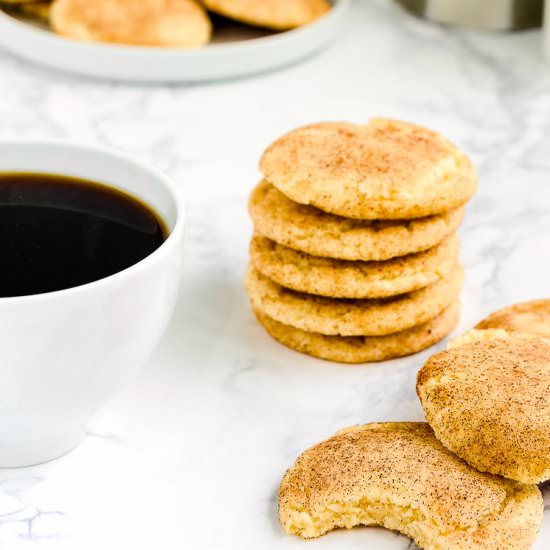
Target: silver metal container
[[486, 14]]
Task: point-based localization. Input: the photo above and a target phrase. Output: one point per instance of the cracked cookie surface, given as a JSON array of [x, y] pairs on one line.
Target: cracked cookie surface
[[385, 169], [272, 14], [398, 475]]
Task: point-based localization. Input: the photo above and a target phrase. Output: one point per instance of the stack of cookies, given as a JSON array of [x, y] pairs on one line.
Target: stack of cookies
[[355, 256]]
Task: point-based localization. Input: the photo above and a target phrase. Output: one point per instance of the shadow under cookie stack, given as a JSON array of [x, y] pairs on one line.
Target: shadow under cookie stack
[[355, 256]]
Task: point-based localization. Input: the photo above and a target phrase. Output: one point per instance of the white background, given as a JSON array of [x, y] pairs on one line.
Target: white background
[[190, 456]]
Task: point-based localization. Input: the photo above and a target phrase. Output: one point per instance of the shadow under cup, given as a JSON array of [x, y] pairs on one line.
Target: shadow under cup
[[66, 353]]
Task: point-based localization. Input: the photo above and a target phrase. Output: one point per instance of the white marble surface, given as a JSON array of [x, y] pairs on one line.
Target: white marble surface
[[191, 454]]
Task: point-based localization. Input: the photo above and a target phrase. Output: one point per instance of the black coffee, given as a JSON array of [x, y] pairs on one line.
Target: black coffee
[[58, 232]]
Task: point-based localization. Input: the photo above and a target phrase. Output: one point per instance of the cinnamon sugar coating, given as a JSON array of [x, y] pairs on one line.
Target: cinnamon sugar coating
[[364, 349], [346, 279], [489, 402], [399, 476], [345, 317], [385, 169], [168, 23]]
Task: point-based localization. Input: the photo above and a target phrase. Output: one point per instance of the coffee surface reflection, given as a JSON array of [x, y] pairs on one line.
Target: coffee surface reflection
[[58, 232]]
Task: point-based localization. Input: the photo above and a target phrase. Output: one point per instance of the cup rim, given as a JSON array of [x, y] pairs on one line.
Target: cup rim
[[175, 234]]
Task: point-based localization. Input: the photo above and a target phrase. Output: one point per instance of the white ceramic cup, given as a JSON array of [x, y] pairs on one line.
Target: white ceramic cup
[[64, 354]]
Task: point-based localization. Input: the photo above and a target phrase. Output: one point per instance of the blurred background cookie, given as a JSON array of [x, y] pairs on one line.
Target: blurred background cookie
[[31, 9], [272, 14], [398, 475], [168, 23], [19, 2], [38, 10]]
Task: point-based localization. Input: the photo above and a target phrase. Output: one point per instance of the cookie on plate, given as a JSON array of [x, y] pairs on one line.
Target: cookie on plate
[[385, 169], [37, 10], [346, 279], [398, 476], [17, 2], [315, 232], [489, 403], [168, 23], [272, 14], [343, 317], [364, 349]]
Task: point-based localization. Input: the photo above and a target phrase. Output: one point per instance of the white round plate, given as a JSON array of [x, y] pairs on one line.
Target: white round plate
[[237, 50]]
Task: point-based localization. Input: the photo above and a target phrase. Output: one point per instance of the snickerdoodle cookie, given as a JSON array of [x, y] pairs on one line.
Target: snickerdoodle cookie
[[315, 232], [332, 316], [398, 475], [526, 318], [385, 169], [523, 320], [346, 279], [169, 23], [364, 349], [476, 335], [272, 14], [38, 10], [489, 402]]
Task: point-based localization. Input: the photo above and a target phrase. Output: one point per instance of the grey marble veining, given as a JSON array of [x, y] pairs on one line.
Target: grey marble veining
[[191, 454]]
